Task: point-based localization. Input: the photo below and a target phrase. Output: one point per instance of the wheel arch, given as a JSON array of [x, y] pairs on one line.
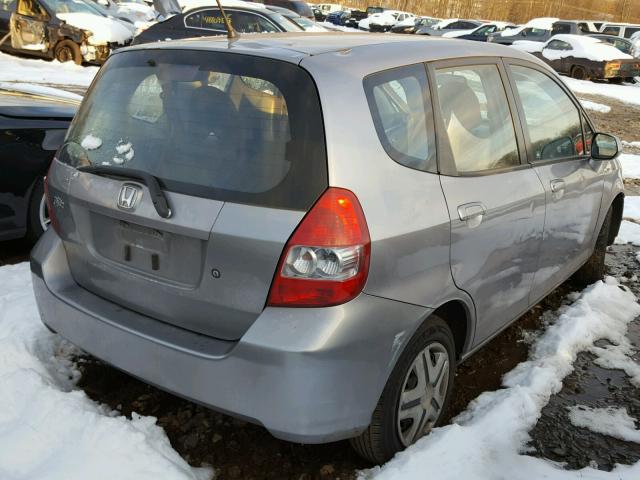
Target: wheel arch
[[617, 207], [460, 318]]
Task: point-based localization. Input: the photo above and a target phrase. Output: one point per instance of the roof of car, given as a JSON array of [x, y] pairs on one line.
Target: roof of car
[[294, 47]]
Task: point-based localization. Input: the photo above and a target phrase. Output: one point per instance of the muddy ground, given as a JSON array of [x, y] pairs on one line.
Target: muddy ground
[[554, 436], [241, 450], [623, 120]]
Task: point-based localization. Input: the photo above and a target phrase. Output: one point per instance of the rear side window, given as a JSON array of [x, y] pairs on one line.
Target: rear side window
[[629, 31], [477, 118], [401, 110], [611, 30], [223, 126], [243, 22], [561, 28], [552, 120]]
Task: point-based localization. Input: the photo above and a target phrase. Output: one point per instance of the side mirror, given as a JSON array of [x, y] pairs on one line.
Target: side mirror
[[604, 147]]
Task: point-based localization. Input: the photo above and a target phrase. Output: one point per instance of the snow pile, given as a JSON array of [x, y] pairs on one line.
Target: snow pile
[[632, 208], [41, 71], [332, 27], [103, 29], [487, 441], [528, 46], [40, 90], [48, 430], [596, 107], [629, 233], [625, 93], [630, 165], [583, 46], [614, 422], [630, 227], [630, 144], [91, 142]]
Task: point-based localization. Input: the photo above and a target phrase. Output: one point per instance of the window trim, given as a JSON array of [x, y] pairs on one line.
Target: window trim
[[446, 163], [223, 29], [375, 118], [554, 78]]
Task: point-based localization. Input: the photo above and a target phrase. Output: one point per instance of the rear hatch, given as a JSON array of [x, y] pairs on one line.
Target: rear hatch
[[236, 145]]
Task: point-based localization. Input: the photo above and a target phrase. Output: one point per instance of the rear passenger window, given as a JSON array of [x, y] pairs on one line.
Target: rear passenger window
[[401, 110], [476, 116], [629, 31], [611, 31], [553, 121]]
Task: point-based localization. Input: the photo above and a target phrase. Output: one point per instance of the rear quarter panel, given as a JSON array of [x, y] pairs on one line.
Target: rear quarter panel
[[406, 212]]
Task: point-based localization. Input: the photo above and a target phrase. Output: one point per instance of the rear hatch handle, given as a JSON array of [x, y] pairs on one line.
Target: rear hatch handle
[[157, 195]]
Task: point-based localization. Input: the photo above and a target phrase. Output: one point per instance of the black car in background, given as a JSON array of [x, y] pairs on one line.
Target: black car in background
[[206, 21], [32, 127]]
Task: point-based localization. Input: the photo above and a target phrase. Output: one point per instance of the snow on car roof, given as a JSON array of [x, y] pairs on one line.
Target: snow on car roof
[[582, 46], [542, 23], [590, 48]]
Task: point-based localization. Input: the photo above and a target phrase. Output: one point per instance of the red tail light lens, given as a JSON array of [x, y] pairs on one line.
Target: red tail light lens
[[326, 261]]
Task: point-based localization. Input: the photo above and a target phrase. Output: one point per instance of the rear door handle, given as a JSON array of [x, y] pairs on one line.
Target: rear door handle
[[472, 213], [557, 185]]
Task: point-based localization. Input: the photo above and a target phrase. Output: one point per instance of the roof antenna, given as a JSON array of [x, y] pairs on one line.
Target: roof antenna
[[231, 33]]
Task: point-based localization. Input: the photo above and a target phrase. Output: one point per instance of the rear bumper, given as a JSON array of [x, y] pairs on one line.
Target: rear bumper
[[308, 375]]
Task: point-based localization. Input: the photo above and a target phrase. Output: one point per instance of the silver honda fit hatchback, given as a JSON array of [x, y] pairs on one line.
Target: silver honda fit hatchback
[[310, 232]]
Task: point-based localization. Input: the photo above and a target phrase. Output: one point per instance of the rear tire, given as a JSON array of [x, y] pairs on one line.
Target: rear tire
[[68, 51], [579, 73], [431, 351], [594, 269]]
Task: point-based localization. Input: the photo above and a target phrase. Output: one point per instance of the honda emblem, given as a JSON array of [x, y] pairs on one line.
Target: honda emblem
[[128, 196]]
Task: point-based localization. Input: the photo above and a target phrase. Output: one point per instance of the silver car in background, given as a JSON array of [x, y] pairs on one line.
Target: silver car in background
[[225, 229]]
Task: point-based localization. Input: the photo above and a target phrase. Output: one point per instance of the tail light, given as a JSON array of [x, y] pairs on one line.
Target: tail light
[[326, 261], [47, 195]]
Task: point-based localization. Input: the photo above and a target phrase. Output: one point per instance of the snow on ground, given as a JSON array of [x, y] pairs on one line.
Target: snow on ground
[[630, 165], [614, 422], [630, 227], [342, 28], [630, 144], [28, 70], [632, 208], [629, 94], [629, 233], [49, 429], [596, 107], [487, 441]]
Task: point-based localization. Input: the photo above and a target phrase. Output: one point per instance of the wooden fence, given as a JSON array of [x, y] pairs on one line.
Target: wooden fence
[[518, 11]]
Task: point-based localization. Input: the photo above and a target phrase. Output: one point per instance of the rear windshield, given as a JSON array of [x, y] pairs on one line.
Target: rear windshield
[[224, 126]]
